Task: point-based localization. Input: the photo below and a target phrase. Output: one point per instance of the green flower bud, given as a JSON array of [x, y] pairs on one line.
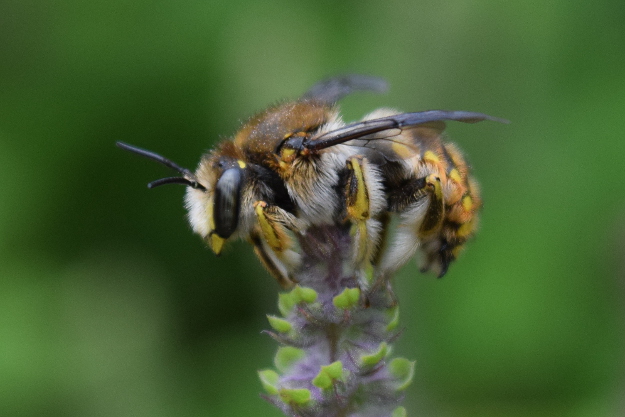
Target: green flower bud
[[328, 374], [295, 396], [305, 294], [286, 302], [392, 324], [279, 325], [347, 299], [399, 412], [402, 370], [375, 357], [286, 357], [269, 379]]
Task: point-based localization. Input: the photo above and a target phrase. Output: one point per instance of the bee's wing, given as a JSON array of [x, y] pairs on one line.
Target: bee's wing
[[400, 143], [384, 134], [333, 89]]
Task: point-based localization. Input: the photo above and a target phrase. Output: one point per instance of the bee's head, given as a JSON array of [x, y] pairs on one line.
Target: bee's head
[[215, 212], [214, 194]]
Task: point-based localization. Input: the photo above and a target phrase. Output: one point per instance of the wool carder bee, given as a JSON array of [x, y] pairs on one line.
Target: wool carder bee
[[297, 165]]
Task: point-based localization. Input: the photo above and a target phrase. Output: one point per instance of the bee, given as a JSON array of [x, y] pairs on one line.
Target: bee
[[297, 165]]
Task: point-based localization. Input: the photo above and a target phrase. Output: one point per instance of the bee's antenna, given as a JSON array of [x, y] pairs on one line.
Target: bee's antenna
[[187, 176], [153, 156], [173, 180]]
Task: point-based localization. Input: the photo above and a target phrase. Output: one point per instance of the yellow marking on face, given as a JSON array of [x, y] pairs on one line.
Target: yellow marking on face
[[288, 155], [242, 164], [467, 203], [359, 210], [430, 156], [267, 227], [216, 243], [455, 176]]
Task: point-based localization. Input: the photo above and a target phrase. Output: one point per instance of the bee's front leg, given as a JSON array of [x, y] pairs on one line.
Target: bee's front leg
[[271, 264], [274, 224]]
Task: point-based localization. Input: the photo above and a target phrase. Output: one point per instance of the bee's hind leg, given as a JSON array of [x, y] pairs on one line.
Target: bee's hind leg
[[423, 211], [435, 212]]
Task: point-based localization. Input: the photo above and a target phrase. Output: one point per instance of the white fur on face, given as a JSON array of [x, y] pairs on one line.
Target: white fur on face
[[199, 205]]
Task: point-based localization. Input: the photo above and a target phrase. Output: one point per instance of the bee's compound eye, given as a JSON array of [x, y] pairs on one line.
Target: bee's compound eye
[[227, 202]]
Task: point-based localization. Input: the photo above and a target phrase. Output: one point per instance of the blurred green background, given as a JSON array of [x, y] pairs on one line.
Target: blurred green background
[[110, 306]]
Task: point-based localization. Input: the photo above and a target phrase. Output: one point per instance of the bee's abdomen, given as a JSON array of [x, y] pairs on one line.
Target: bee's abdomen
[[462, 203]]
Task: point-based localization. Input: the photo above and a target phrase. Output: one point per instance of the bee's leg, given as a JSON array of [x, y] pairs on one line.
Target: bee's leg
[[435, 212], [275, 268], [384, 220], [274, 224], [459, 225], [358, 208], [423, 210]]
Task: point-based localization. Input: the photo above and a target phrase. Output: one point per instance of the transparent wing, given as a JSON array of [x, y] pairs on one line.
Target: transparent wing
[[333, 89], [399, 136]]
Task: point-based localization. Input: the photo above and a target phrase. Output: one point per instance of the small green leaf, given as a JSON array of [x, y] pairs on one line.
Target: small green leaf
[[375, 357], [328, 374], [285, 303], [278, 324], [295, 396], [347, 299], [392, 324], [334, 370], [399, 412], [305, 294], [402, 370], [286, 357], [287, 300], [269, 378], [322, 380]]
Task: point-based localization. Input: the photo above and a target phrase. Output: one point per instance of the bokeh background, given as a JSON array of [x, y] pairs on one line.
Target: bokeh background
[[110, 306]]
